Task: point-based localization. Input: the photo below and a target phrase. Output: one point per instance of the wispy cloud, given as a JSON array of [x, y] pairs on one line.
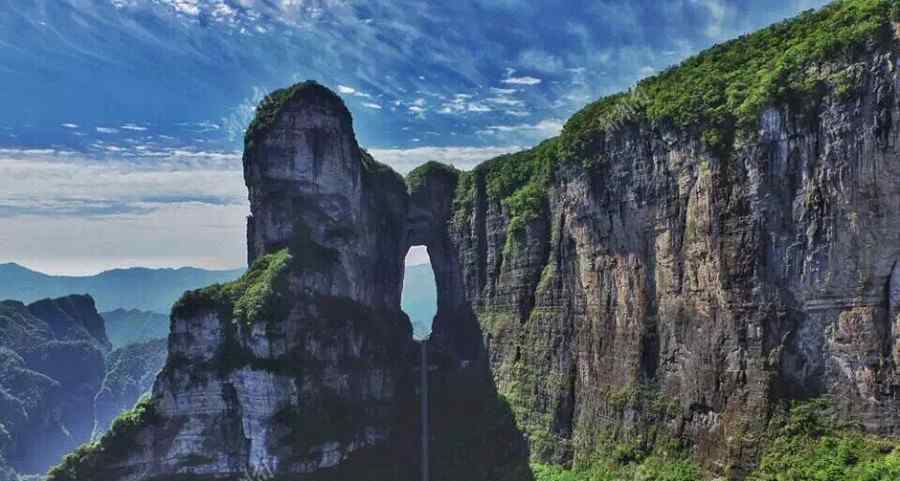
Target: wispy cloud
[[119, 212], [543, 129], [54, 183], [522, 80], [404, 160]]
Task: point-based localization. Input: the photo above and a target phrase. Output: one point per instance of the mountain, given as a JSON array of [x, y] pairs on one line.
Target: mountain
[[137, 300], [698, 279], [60, 382], [129, 326], [419, 298], [133, 288], [51, 366]]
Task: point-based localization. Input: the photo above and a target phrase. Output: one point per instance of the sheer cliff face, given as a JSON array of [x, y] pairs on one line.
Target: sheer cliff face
[[669, 291], [308, 173], [299, 367]]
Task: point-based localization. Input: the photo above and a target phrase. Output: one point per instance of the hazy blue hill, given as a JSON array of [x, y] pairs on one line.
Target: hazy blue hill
[[134, 288], [419, 298], [135, 302], [128, 326]]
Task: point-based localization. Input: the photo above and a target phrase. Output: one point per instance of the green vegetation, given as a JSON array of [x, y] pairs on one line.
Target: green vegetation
[[726, 87], [416, 178], [651, 468], [809, 447], [115, 444], [519, 181], [380, 176], [268, 110], [258, 294]]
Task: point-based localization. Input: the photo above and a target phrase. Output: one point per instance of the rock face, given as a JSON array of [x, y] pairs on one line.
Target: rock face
[[51, 366], [640, 279], [662, 289]]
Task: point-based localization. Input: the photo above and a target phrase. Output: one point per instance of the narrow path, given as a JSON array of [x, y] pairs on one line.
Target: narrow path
[[423, 372]]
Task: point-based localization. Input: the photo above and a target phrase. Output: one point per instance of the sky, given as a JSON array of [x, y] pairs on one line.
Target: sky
[[122, 121]]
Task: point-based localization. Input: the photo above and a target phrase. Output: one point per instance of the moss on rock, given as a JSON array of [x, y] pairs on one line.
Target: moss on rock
[[726, 87], [259, 294], [268, 110], [417, 177], [116, 444]]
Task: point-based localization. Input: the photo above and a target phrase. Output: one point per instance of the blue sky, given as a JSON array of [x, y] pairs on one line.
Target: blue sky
[[121, 130]]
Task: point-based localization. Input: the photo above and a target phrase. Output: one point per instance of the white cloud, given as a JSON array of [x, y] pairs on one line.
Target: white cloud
[[371, 105], [133, 128], [53, 183], [70, 126], [107, 130], [404, 160], [347, 90], [187, 7], [544, 128], [522, 80], [118, 213]]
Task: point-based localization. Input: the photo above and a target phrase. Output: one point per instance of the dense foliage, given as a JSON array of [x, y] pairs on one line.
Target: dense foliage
[[416, 178], [519, 181], [115, 444], [258, 294], [726, 87], [811, 448], [808, 446]]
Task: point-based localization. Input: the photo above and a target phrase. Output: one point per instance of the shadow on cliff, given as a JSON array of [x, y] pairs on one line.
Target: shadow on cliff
[[474, 433]]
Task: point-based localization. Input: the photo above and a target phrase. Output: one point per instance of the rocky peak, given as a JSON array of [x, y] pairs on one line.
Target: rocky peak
[[73, 317]]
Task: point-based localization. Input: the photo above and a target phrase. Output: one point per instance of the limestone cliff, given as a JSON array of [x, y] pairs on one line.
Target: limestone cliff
[[658, 274], [680, 264]]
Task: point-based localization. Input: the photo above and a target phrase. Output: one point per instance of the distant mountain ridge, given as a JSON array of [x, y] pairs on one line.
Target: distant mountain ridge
[[129, 326], [132, 288]]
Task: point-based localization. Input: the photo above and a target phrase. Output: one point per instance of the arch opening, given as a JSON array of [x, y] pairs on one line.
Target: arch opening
[[418, 298]]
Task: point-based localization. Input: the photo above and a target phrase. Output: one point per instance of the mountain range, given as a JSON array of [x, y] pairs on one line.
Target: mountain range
[[133, 288]]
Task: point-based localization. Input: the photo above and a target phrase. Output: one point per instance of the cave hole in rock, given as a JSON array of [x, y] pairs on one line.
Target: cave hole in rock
[[419, 296]]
